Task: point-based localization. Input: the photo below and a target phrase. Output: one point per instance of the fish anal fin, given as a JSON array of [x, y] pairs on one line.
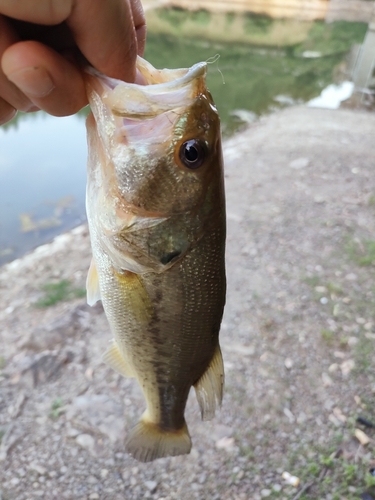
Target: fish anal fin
[[147, 442], [113, 358], [209, 388], [92, 285]]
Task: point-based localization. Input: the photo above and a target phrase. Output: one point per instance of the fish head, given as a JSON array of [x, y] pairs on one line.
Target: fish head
[[155, 153], [160, 142]]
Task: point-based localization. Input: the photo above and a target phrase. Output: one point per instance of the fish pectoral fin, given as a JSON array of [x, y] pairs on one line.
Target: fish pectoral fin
[[92, 285], [147, 441], [209, 388], [113, 358]]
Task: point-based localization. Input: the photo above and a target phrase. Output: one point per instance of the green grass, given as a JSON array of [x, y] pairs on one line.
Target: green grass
[[328, 336], [2, 362], [56, 406], [56, 292], [361, 252]]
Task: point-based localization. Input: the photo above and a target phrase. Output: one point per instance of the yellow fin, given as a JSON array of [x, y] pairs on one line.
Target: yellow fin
[[92, 285], [209, 388], [147, 442], [135, 295], [113, 358]]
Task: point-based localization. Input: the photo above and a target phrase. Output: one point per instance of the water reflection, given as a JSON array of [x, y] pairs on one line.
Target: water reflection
[[42, 180]]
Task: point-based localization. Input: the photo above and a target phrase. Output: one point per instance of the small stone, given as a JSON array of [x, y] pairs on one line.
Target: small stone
[[38, 468], [72, 432], [104, 473], [324, 300], [319, 199], [327, 381], [290, 479], [333, 368], [151, 486], [289, 415], [265, 493], [288, 363], [352, 341], [87, 442], [299, 163], [362, 437], [339, 414], [277, 488], [225, 443], [334, 420], [347, 366], [14, 481], [351, 277], [94, 496], [339, 354]]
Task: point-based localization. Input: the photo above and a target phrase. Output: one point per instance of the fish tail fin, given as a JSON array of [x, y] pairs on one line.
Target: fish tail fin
[[209, 388], [147, 441]]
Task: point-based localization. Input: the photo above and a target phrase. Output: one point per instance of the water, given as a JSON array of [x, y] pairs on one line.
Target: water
[[43, 159], [42, 181]]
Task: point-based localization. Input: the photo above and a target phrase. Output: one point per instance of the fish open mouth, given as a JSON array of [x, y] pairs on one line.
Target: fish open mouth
[[164, 90]]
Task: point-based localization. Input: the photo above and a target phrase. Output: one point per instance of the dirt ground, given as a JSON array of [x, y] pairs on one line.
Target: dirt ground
[[297, 339]]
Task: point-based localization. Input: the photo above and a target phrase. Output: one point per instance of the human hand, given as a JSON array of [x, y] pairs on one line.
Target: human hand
[[41, 42]]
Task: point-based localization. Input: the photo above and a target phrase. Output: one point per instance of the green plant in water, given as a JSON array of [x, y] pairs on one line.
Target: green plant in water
[[56, 292]]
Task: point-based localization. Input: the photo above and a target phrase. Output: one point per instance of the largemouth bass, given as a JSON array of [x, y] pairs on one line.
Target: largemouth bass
[[156, 213]]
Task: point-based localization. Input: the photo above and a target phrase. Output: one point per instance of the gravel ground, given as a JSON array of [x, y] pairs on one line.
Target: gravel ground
[[297, 338]]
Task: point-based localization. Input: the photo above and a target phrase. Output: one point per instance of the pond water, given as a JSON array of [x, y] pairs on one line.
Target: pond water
[[43, 159]]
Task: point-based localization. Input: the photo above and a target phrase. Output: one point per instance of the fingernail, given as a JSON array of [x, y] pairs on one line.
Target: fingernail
[[34, 82]]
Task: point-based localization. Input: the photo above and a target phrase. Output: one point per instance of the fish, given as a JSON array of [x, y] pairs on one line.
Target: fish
[[156, 213]]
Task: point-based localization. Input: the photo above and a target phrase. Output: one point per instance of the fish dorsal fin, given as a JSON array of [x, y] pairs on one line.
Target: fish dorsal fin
[[92, 285], [113, 358], [209, 388]]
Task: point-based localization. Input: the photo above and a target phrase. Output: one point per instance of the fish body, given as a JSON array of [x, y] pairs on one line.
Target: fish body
[[156, 212]]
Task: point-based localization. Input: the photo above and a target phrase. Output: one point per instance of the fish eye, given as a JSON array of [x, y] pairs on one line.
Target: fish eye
[[193, 153]]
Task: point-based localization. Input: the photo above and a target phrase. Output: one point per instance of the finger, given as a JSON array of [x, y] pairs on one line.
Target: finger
[[39, 12], [139, 25], [113, 49], [7, 112], [48, 79], [8, 91]]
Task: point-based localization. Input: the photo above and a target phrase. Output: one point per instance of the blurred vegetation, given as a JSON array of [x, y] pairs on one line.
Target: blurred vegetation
[[253, 77], [56, 292]]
